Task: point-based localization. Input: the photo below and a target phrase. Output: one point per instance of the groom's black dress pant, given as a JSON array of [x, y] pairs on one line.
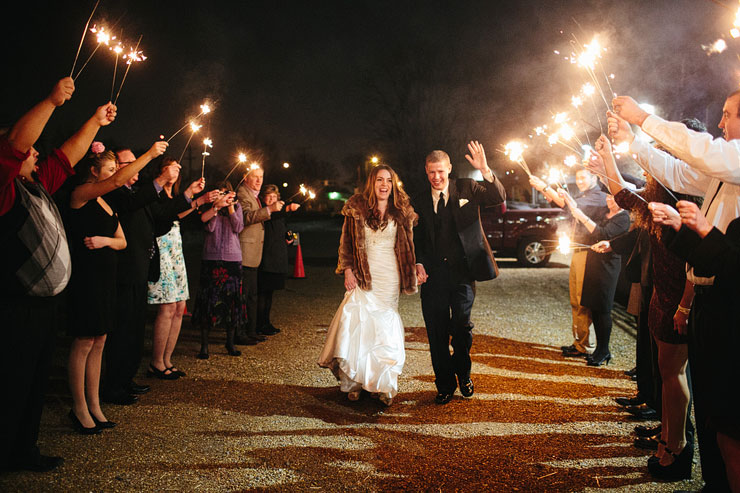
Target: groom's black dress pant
[[446, 302]]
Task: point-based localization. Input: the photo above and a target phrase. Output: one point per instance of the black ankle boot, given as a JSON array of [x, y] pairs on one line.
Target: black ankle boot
[[230, 344]]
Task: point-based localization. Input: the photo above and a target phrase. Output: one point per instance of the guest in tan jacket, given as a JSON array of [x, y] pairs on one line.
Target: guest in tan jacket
[[251, 239]]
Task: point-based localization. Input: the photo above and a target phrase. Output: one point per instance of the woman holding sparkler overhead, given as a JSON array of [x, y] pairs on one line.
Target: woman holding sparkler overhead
[[601, 273], [668, 311], [170, 291], [365, 342]]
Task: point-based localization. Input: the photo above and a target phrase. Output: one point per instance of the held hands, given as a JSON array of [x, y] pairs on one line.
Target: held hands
[[628, 109], [350, 282], [209, 197], [95, 242], [602, 247], [477, 157], [665, 214], [62, 91], [421, 274], [105, 114], [692, 217], [277, 206], [618, 128]]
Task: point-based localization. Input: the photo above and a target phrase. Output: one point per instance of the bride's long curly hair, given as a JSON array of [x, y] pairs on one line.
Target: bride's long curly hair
[[399, 205]]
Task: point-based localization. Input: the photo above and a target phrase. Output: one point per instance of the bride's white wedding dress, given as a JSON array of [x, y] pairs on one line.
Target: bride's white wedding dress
[[364, 344]]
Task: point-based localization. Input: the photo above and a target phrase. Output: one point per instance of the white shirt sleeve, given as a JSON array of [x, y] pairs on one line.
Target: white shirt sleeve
[[716, 158], [672, 172]]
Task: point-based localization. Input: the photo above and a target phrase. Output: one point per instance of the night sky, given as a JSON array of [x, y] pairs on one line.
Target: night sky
[[337, 81]]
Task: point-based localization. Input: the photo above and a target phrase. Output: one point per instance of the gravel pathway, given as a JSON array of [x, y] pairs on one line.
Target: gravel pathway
[[272, 419]]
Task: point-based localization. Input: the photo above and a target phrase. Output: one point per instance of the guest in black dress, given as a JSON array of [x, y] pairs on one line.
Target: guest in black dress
[[601, 274], [274, 265], [95, 234]]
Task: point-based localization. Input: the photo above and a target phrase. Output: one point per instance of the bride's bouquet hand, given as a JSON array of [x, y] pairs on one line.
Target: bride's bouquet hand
[[350, 282]]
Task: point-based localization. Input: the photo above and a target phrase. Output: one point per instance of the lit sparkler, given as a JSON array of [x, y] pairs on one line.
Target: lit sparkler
[[118, 49], [207, 144], [564, 243], [103, 38], [241, 159], [134, 55], [515, 151], [204, 110], [194, 127], [717, 47]]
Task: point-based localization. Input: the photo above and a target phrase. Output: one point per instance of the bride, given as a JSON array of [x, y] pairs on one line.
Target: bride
[[364, 344]]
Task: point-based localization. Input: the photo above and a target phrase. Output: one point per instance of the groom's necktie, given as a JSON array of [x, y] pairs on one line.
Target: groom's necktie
[[441, 202]]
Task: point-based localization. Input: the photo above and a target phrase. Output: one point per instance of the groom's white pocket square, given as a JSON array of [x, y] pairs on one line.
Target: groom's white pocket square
[[463, 202]]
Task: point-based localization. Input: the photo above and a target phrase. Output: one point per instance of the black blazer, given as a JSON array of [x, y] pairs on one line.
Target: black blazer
[[137, 211], [275, 249], [717, 255], [466, 198]]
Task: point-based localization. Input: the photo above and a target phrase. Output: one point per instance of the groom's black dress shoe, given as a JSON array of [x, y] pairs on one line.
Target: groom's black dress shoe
[[443, 398], [466, 388]]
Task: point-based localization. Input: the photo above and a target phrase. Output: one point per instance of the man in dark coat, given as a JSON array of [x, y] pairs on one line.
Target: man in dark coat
[[137, 209], [452, 253]]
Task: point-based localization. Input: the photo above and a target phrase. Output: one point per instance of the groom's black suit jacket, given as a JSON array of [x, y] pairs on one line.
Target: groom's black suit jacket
[[466, 198]]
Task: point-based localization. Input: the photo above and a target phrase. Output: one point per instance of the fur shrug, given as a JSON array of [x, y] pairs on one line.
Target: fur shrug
[[352, 249]]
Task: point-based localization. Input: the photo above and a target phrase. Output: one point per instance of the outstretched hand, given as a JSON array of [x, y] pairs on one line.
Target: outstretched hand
[[477, 156], [158, 149], [537, 182], [569, 201], [602, 247], [62, 91]]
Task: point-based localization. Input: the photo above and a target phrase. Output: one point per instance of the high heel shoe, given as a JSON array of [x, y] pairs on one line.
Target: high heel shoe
[[82, 430], [153, 371], [679, 469], [103, 425], [177, 372], [593, 360], [386, 399], [354, 395]]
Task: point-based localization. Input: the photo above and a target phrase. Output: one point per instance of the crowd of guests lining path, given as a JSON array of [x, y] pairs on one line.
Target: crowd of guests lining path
[[115, 242]]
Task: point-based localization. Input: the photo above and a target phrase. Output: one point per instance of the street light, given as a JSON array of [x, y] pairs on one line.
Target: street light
[[374, 160], [286, 165]]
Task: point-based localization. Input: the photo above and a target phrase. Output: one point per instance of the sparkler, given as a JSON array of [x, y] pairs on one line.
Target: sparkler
[[103, 37], [240, 160], [204, 110], [118, 49], [311, 196], [82, 40], [132, 56], [302, 190], [717, 47], [207, 144], [515, 151], [194, 127]]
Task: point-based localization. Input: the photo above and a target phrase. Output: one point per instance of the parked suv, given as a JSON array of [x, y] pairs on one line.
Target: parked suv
[[522, 230]]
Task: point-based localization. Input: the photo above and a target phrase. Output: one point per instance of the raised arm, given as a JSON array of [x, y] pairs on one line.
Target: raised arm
[[492, 192], [89, 191], [550, 194], [28, 128], [716, 158]]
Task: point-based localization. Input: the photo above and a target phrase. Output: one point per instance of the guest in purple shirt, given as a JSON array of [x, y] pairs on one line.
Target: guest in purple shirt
[[219, 302]]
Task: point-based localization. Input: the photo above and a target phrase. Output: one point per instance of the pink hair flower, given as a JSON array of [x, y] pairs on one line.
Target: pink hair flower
[[97, 147]]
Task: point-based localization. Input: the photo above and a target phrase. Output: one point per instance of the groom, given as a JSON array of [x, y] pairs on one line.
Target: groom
[[452, 253]]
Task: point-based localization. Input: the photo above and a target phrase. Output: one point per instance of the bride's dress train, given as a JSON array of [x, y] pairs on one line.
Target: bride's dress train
[[364, 343]]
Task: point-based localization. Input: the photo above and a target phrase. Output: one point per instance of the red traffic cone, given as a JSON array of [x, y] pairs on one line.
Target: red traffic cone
[[298, 272]]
